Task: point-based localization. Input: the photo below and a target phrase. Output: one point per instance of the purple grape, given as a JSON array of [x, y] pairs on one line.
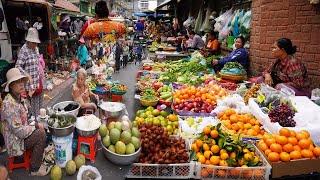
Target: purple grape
[[283, 114]]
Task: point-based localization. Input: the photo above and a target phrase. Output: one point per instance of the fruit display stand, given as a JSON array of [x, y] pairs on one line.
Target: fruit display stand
[[162, 171], [290, 153], [204, 171], [301, 118]]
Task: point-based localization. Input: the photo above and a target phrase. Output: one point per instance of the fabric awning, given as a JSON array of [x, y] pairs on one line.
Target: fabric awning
[[164, 4], [34, 1], [66, 5]]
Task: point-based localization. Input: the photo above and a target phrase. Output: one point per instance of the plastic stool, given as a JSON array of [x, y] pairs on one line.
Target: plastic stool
[[91, 141], [25, 164], [116, 98]]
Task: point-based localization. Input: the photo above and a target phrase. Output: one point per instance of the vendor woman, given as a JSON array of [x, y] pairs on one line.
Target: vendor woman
[[240, 55], [19, 135], [82, 94], [286, 71], [213, 43]]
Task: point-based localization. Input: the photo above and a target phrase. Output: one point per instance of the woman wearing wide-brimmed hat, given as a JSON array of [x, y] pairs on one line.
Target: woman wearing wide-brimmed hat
[[28, 64], [19, 134]]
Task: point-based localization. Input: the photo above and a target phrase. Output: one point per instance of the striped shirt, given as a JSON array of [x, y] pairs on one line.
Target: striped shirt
[[28, 63]]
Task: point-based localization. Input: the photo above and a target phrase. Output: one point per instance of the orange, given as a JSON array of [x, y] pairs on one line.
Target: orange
[[213, 142], [214, 133], [234, 172], [223, 163], [223, 151], [221, 173], [202, 159], [194, 147], [233, 155], [207, 154], [267, 152], [262, 146], [205, 147], [316, 151], [273, 157], [304, 143], [208, 162], [215, 149], [292, 140], [284, 156], [248, 157], [235, 127], [306, 153], [247, 126], [215, 160], [206, 130], [199, 143], [204, 173], [282, 140], [288, 148], [285, 132], [293, 133], [306, 133], [233, 118], [266, 136], [311, 147], [296, 148], [270, 141], [198, 154], [230, 111], [276, 148], [295, 155], [224, 156], [301, 135]]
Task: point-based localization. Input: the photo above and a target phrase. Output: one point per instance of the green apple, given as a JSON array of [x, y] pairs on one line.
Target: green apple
[[156, 121], [156, 112]]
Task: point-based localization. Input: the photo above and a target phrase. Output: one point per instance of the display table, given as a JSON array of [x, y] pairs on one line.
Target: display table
[[172, 55]]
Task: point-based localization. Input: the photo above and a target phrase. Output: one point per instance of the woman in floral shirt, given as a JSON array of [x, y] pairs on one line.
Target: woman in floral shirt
[[286, 71], [19, 135]]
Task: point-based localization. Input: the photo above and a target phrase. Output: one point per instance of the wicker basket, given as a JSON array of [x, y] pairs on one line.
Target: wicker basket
[[233, 77], [117, 92], [146, 103]]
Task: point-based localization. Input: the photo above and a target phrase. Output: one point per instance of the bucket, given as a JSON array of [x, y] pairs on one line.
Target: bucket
[[63, 149]]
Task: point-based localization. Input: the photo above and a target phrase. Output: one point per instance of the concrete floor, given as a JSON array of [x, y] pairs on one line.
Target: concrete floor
[[106, 168]]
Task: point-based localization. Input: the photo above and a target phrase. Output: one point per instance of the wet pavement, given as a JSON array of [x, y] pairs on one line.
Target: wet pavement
[[107, 169]]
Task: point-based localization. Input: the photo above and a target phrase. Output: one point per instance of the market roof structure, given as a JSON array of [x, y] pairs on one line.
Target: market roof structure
[[66, 5]]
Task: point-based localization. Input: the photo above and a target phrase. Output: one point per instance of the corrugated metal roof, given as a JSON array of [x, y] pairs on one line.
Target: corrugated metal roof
[[66, 5]]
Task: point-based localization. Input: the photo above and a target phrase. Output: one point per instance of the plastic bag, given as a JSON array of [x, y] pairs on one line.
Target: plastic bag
[[84, 168], [199, 20]]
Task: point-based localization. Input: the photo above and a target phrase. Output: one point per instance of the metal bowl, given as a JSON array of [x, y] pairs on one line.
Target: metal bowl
[[84, 132], [61, 132], [120, 159], [63, 104], [112, 114]]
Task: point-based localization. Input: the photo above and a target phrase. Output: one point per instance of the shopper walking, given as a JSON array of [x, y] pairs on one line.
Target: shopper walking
[[28, 64]]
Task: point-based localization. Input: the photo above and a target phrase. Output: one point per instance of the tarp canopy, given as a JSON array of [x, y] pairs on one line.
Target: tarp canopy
[[64, 4], [140, 14]]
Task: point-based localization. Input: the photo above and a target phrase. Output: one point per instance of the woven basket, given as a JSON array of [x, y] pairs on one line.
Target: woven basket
[[144, 102], [233, 77]]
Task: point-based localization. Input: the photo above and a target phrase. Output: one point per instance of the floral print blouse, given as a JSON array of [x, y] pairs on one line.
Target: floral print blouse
[[14, 115]]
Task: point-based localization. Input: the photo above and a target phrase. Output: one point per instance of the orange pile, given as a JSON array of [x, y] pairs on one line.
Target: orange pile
[[288, 145], [245, 124], [208, 152], [209, 94]]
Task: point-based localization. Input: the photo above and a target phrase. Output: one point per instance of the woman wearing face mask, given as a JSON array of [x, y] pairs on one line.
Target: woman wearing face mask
[[239, 55], [286, 71]]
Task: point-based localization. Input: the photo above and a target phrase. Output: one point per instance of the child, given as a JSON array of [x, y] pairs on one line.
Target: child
[[82, 53]]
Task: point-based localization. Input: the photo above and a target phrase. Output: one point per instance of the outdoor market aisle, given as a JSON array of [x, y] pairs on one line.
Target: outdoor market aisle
[[107, 169]]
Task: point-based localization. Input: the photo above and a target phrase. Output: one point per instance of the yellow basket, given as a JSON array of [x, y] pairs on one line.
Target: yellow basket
[[144, 102]]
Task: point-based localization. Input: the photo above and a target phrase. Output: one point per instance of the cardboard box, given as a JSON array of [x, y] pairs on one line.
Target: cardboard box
[[296, 167]]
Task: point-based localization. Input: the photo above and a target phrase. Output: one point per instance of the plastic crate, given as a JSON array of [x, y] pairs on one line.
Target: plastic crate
[[162, 171], [219, 172]]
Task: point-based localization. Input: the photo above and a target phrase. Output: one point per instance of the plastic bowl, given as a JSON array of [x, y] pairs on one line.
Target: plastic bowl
[[63, 104], [118, 159]]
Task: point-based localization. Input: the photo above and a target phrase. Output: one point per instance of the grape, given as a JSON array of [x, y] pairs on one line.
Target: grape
[[283, 114]]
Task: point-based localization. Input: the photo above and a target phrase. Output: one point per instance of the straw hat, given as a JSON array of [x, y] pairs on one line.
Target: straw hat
[[13, 74], [33, 35]]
